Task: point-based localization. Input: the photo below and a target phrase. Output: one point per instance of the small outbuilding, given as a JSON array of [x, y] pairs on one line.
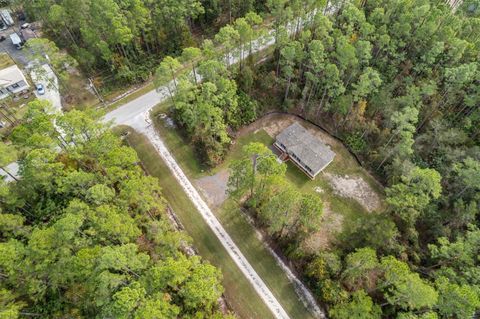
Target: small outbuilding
[[305, 150]]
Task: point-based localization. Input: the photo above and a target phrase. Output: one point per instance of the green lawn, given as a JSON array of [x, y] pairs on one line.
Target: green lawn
[[236, 151], [185, 153], [345, 206], [240, 294], [344, 164], [234, 222]]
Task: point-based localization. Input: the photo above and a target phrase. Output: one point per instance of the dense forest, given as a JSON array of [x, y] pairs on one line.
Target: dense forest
[[123, 40], [398, 82], [85, 234]]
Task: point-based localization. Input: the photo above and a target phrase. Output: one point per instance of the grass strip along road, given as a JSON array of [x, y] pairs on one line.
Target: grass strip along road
[[136, 115], [141, 124], [239, 293]]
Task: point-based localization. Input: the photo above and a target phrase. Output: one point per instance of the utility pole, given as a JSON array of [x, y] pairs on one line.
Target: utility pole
[[94, 88]]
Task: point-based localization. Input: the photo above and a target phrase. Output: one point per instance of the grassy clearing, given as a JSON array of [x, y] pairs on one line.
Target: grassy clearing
[[345, 164], [236, 151], [345, 206], [240, 294], [185, 153], [232, 219], [76, 95]]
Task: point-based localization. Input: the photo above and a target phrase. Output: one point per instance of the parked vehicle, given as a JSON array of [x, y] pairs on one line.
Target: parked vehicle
[[40, 89], [25, 25], [16, 41]]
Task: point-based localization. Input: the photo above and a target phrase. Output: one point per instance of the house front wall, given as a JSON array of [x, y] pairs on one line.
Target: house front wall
[[3, 94], [296, 160], [4, 91], [302, 166], [17, 87]]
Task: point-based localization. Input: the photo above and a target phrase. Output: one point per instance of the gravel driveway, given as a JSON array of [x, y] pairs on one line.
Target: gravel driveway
[[214, 188], [50, 83]]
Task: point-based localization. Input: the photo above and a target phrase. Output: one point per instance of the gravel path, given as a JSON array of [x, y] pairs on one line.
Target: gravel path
[[217, 228], [136, 115]]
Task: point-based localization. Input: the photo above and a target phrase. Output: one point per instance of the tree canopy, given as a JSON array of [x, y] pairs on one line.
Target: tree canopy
[[84, 232]]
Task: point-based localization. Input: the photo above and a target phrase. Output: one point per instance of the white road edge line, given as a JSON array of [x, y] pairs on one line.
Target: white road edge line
[[227, 242]]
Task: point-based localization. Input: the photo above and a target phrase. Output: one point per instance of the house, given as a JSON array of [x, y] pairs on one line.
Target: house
[[305, 150], [12, 79]]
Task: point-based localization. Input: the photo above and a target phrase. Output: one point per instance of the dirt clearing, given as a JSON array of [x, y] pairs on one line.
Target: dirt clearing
[[214, 188], [355, 188]]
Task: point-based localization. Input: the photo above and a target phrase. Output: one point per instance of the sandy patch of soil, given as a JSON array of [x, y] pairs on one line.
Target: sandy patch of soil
[[330, 226], [355, 188], [214, 188]]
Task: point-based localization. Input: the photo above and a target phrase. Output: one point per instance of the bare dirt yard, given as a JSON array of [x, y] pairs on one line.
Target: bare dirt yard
[[355, 188], [214, 188]]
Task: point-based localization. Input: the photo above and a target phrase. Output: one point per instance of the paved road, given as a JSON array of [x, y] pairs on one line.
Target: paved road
[[137, 115]]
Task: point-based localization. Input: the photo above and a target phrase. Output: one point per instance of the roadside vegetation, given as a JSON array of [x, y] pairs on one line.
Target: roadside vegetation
[[120, 42], [231, 217], [238, 291], [84, 233]]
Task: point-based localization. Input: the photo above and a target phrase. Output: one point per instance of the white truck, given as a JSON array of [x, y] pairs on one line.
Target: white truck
[[16, 41]]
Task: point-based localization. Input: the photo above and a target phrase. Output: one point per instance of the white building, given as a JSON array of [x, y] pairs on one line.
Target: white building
[[12, 81]]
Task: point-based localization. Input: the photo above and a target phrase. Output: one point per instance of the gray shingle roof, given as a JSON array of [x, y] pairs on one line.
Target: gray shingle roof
[[309, 149]]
